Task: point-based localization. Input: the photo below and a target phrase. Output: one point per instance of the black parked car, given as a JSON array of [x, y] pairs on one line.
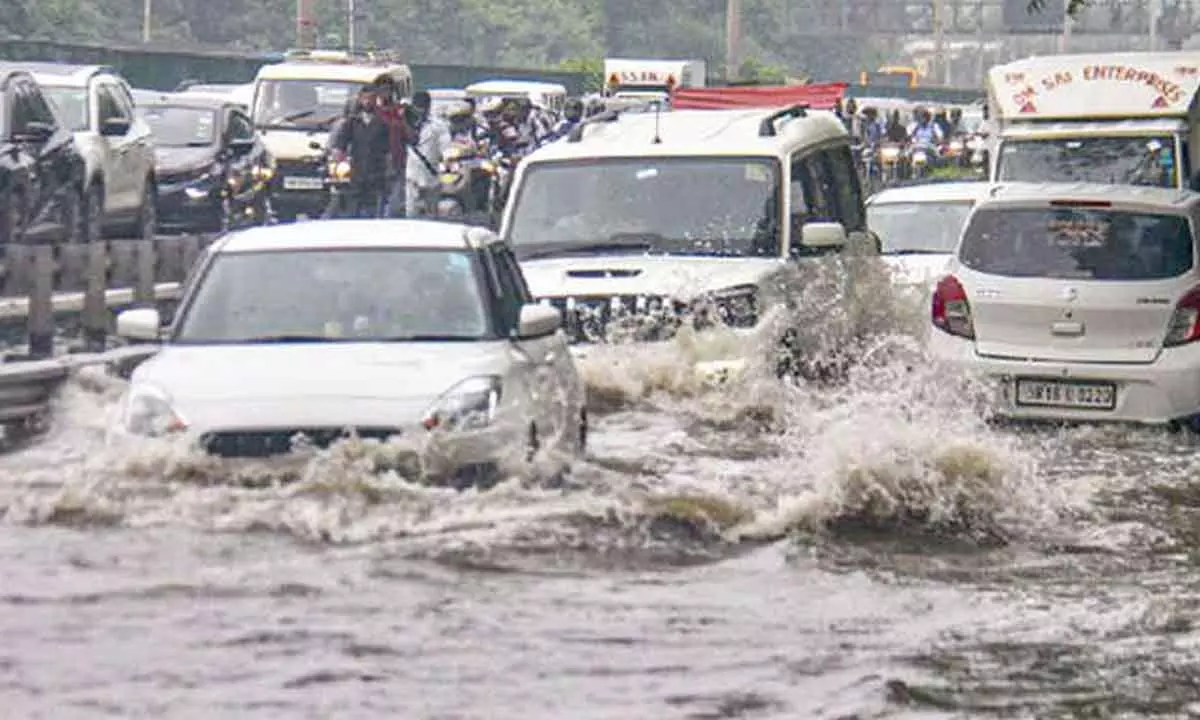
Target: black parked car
[[213, 171], [42, 173]]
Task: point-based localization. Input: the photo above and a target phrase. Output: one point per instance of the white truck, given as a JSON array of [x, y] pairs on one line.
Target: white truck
[[651, 79], [1116, 118]]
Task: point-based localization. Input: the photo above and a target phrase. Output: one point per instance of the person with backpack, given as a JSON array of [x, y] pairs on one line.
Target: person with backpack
[[429, 138]]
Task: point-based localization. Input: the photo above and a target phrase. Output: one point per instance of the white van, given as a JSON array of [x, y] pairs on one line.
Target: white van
[[637, 224]]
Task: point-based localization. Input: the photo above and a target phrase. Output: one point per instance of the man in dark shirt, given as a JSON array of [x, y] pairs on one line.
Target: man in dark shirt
[[365, 140]]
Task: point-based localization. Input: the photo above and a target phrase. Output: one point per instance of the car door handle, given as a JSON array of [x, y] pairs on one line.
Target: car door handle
[[1067, 329]]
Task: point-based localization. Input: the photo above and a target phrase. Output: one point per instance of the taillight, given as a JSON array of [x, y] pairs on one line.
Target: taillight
[[949, 309], [1185, 321]]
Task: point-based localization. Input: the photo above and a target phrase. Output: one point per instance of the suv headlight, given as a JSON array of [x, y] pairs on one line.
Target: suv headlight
[[149, 412], [733, 307], [340, 171], [469, 405]]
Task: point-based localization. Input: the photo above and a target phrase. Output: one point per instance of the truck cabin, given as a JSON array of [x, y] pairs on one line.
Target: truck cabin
[[1119, 118]]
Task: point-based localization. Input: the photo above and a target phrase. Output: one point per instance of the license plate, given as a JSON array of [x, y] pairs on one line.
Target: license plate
[[303, 183], [1048, 393]]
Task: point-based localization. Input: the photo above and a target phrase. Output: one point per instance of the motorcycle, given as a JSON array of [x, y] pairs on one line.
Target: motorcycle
[[891, 160], [920, 160], [464, 182]]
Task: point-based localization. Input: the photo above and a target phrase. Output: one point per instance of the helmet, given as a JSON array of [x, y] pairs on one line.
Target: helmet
[[491, 105]]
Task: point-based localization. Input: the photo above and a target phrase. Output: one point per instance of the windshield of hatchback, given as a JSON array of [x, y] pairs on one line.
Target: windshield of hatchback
[[384, 295], [174, 126], [718, 206], [1072, 243], [71, 104], [918, 227], [1119, 160], [301, 103]]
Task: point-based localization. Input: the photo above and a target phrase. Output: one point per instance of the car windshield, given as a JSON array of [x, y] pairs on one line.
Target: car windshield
[[371, 295], [722, 206], [1119, 160], [1077, 243], [301, 103], [71, 104], [175, 126], [918, 227]]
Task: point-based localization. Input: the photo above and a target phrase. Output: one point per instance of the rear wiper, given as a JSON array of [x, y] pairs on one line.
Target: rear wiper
[[619, 241]]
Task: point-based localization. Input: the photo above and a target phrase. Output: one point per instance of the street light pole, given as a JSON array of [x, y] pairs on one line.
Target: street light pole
[[351, 24], [146, 13], [733, 39]]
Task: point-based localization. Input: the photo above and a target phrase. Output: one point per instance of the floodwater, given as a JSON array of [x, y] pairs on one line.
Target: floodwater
[[760, 551]]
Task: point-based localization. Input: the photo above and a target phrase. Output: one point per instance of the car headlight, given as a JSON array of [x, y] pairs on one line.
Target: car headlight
[[469, 405], [733, 307], [454, 153], [149, 412], [264, 171], [890, 153], [340, 170]]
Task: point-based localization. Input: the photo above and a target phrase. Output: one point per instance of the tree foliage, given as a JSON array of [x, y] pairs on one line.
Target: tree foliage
[[779, 34]]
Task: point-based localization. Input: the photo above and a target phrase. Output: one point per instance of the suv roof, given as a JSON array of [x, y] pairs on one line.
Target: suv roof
[[696, 132], [47, 73], [356, 234], [188, 100], [1129, 196], [932, 192]]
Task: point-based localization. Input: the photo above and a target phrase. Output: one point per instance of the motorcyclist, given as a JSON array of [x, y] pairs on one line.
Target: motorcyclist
[[394, 115], [895, 131], [872, 127], [924, 132], [572, 116], [363, 139], [428, 140], [850, 118], [955, 127], [462, 122], [943, 121]]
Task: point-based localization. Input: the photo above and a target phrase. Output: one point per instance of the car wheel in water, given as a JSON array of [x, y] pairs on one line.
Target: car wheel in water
[[533, 444], [73, 213]]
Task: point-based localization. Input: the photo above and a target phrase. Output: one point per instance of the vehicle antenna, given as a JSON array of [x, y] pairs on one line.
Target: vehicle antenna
[[657, 122]]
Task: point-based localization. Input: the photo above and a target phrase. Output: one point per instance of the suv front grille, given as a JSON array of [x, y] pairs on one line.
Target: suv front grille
[[300, 168], [619, 318], [281, 441]]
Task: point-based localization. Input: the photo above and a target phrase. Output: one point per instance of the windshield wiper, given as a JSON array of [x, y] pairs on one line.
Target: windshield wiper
[[916, 251], [287, 339], [426, 338], [616, 242], [293, 117]]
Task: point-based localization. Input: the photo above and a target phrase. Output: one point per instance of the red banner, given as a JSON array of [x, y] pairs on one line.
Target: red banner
[[821, 96]]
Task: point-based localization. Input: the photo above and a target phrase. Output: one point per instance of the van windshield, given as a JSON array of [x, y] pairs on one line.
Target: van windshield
[[1142, 160], [906, 228], [719, 205], [1077, 244], [285, 104]]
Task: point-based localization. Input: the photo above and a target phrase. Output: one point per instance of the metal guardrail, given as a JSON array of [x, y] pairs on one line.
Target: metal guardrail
[[40, 285]]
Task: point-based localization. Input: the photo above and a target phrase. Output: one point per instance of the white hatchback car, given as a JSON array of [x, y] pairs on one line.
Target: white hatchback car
[[918, 226], [415, 330], [1082, 301]]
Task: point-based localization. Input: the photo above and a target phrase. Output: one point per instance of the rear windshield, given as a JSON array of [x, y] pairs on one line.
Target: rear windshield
[[1077, 243]]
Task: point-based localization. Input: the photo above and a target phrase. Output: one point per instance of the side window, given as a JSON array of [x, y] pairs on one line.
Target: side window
[[39, 109], [839, 165], [239, 127], [810, 190], [21, 111], [108, 104], [508, 261], [510, 294]]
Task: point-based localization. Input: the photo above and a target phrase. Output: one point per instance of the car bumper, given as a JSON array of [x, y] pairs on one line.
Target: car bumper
[[711, 357], [187, 207], [1160, 393], [443, 457], [300, 202]]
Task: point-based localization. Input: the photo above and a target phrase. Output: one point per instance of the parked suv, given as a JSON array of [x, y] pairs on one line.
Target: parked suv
[[97, 105], [41, 171]]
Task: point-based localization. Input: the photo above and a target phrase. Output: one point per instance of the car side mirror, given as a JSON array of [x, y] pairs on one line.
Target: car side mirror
[[538, 321], [823, 235], [35, 132], [143, 324], [114, 127]]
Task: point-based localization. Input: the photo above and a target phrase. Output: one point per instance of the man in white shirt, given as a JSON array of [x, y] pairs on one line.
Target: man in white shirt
[[429, 139]]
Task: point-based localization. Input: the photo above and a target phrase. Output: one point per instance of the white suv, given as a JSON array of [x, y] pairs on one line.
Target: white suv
[[96, 103], [639, 225], [1081, 301]]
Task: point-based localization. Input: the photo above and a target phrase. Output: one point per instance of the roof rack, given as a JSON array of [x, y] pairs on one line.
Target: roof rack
[[343, 57], [767, 127]]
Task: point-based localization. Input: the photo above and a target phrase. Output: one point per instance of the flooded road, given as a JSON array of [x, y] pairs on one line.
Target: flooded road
[[761, 551]]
